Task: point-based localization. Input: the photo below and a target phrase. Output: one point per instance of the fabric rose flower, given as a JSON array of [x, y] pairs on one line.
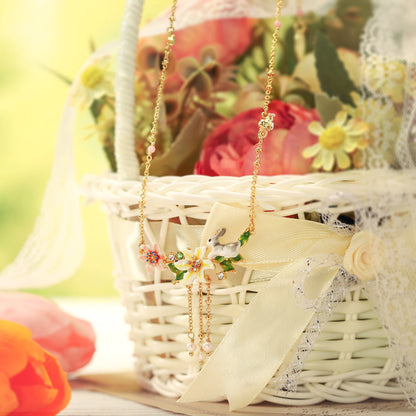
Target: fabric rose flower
[[230, 150], [363, 256], [31, 380], [70, 339], [230, 37]]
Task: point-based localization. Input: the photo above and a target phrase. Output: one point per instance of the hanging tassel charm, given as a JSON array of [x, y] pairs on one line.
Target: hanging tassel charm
[[190, 346]]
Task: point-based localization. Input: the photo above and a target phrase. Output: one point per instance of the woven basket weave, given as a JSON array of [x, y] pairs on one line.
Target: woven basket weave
[[350, 361]]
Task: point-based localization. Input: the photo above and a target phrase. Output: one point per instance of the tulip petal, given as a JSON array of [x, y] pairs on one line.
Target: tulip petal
[[71, 339], [8, 399]]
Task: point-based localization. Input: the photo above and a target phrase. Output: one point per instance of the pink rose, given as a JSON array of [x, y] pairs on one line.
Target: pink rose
[[70, 339], [230, 149]]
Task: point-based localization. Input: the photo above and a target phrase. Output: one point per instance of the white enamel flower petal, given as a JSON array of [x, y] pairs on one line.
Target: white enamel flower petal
[[182, 265]]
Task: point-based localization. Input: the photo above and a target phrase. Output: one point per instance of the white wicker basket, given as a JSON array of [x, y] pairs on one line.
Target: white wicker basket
[[349, 363]]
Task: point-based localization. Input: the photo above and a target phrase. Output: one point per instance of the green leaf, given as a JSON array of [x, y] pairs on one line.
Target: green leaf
[[244, 237], [332, 74], [173, 268], [227, 265], [184, 151], [289, 60], [237, 258], [109, 153], [180, 275], [327, 107], [219, 259]]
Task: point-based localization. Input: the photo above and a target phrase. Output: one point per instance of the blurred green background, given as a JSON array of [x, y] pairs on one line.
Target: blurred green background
[[56, 34]]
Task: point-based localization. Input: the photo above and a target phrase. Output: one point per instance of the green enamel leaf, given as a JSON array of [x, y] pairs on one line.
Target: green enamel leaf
[[227, 265], [332, 74], [244, 237], [173, 268], [180, 276], [219, 259], [237, 258]]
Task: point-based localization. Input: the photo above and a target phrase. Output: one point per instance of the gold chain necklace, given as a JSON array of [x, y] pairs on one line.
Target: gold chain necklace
[[190, 266]]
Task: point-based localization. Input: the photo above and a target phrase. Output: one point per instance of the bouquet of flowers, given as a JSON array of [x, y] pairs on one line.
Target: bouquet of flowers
[[215, 87]]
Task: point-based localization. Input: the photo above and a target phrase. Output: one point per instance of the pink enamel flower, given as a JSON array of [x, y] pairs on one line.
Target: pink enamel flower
[[152, 257]]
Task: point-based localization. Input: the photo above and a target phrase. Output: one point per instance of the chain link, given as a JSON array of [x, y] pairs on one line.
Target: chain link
[[265, 118], [155, 124], [265, 124]]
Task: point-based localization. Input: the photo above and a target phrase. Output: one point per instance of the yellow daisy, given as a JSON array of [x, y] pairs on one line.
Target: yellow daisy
[[195, 264], [94, 82], [336, 142]]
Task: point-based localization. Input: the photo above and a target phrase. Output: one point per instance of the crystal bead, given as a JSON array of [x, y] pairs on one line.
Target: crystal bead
[[221, 276], [207, 347], [171, 257]]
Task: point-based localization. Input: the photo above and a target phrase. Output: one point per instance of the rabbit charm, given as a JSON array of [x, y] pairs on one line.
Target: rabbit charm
[[227, 251]]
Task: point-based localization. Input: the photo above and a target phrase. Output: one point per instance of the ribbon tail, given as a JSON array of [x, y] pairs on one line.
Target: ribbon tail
[[258, 343]]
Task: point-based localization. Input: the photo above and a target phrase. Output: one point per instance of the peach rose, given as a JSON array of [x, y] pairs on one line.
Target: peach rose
[[364, 255]]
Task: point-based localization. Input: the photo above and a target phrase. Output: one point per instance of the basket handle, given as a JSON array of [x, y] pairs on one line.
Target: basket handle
[[124, 142]]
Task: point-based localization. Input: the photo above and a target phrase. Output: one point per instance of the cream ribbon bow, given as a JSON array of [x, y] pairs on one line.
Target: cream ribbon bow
[[260, 341]]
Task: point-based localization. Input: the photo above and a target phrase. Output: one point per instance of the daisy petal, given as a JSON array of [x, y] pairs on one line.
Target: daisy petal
[[341, 118], [359, 129], [311, 151], [316, 128], [318, 162], [328, 160], [350, 145], [343, 160]]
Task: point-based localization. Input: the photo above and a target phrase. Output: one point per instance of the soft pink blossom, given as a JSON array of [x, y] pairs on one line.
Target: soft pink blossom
[[152, 257], [70, 339]]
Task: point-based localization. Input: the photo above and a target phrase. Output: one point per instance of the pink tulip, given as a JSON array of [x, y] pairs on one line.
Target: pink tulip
[[70, 339]]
